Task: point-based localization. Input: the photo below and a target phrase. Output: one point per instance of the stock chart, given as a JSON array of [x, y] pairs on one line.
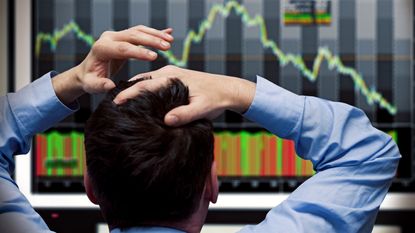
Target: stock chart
[[357, 52]]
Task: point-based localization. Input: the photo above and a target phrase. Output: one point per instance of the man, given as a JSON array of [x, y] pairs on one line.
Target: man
[[355, 163], [46, 101]]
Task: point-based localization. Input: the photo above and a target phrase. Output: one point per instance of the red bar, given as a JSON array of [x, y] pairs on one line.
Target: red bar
[[292, 157], [229, 163], [238, 156], [265, 147], [232, 157], [273, 155], [38, 155], [53, 156], [286, 160], [223, 160], [45, 155], [67, 156], [304, 168], [229, 156]]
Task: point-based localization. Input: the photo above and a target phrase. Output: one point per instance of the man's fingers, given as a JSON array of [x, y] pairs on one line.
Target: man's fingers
[[168, 30], [184, 114], [98, 85], [108, 84], [161, 34], [137, 37], [164, 72], [142, 75], [122, 50], [136, 89], [126, 94]]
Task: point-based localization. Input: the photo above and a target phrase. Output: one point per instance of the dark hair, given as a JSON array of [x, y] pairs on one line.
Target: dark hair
[[142, 170]]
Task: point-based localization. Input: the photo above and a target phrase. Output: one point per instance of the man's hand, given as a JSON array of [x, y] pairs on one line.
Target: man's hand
[[106, 57], [209, 94]]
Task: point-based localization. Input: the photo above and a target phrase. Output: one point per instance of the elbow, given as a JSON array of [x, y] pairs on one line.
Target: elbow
[[393, 149], [391, 157]]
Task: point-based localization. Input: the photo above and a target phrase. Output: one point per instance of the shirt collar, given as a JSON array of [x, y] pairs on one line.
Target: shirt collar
[[146, 230]]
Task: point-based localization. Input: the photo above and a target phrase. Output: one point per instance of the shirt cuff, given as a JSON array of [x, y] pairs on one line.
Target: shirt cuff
[[36, 106], [276, 109]]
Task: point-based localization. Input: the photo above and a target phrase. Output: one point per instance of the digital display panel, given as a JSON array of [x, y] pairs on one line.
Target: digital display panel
[[357, 52]]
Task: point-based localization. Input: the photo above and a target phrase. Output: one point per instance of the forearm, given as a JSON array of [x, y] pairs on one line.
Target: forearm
[[237, 94], [355, 163], [32, 109]]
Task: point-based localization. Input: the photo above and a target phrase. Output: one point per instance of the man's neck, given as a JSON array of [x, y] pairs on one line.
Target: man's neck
[[195, 222], [146, 229]]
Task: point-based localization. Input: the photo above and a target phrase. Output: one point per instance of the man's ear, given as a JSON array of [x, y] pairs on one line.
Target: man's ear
[[214, 185], [88, 188]]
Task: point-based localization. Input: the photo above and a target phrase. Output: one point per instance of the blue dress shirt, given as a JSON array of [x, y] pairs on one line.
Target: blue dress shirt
[[31, 110], [354, 162]]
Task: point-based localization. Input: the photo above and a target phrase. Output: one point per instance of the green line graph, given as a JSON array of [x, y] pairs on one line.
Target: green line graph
[[196, 36], [54, 38]]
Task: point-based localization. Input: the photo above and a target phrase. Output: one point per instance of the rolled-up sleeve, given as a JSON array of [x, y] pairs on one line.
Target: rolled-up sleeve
[[354, 162], [32, 109]]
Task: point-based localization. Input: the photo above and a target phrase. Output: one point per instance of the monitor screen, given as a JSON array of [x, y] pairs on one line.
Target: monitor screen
[[357, 52]]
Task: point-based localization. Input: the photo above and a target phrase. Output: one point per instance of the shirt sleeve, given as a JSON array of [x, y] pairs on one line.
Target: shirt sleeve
[[354, 162], [32, 109]]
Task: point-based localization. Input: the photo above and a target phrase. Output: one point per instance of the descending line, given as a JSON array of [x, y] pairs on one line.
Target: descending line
[[324, 54]]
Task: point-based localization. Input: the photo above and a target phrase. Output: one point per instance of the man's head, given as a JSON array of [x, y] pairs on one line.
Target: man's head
[[141, 171]]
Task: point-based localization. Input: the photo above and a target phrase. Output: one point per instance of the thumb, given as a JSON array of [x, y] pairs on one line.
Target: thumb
[[108, 84], [99, 85], [183, 114]]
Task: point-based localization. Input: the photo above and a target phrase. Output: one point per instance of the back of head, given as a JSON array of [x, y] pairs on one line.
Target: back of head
[[143, 171]]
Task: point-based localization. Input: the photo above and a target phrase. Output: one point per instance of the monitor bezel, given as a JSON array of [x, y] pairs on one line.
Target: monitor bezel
[[22, 72]]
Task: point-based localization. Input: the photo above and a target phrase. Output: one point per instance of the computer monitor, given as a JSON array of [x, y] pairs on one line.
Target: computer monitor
[[357, 52]]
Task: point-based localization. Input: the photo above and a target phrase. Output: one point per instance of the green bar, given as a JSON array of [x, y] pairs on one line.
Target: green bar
[[394, 135], [82, 156], [244, 153], [298, 165], [279, 156], [306, 17], [74, 141], [60, 150], [258, 157], [323, 15], [297, 16], [55, 150]]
